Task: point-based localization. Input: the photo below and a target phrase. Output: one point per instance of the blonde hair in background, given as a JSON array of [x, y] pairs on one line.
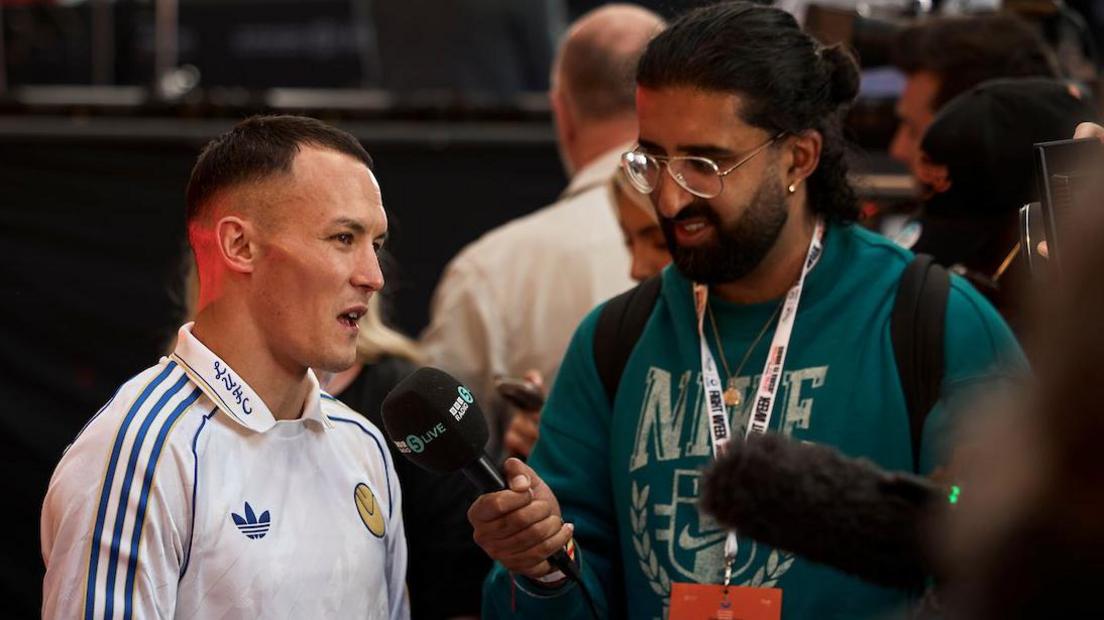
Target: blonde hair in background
[[619, 186], [377, 340]]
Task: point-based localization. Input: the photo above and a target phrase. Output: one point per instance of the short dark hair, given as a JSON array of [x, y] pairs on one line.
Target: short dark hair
[[789, 82], [964, 51], [258, 148]]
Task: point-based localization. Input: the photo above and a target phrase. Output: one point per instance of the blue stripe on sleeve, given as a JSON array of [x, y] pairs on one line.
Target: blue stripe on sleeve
[[143, 499], [195, 487], [105, 493], [124, 493]]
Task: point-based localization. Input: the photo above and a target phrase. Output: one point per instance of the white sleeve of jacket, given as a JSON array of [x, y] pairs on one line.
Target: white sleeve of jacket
[[397, 593], [116, 517]]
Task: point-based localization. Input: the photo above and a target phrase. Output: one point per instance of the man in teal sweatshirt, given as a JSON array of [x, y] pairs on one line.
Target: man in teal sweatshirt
[[776, 305]]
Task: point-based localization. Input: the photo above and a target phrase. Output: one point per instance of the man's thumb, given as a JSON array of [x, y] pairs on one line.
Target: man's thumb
[[519, 476]]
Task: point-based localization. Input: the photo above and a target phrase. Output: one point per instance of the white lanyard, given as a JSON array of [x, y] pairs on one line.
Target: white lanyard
[[719, 430], [762, 407]]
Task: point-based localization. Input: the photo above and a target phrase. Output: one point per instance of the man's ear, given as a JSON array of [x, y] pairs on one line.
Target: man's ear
[[236, 241], [565, 117], [935, 177], [804, 156]]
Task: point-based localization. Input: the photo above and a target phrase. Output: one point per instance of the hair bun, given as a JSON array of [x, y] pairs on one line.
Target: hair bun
[[843, 74]]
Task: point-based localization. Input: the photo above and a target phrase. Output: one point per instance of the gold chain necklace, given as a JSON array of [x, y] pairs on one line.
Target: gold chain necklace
[[732, 393]]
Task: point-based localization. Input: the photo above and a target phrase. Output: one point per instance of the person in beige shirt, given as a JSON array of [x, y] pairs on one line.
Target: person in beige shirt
[[509, 302], [649, 255]]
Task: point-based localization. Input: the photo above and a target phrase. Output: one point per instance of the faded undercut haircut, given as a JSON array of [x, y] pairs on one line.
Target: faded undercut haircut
[[788, 82], [256, 149]]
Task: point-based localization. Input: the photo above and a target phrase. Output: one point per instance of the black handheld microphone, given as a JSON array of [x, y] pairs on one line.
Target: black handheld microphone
[[813, 501], [435, 422]]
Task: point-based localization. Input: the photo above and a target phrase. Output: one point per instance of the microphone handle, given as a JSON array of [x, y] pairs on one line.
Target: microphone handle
[[485, 476], [564, 563]]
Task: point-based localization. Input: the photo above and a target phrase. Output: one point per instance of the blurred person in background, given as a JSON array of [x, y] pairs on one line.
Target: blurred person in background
[[509, 301], [640, 227], [1027, 539], [976, 168], [648, 249], [434, 505], [943, 57]]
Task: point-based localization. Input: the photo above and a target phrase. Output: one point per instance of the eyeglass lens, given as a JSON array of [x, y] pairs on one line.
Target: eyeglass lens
[[697, 176]]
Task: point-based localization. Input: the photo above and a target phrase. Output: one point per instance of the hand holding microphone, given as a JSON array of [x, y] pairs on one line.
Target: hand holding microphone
[[520, 526]]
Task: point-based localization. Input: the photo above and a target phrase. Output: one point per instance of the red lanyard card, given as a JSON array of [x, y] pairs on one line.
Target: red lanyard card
[[703, 601]]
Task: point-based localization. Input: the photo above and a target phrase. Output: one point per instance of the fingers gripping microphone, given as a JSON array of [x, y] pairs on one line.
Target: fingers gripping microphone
[[813, 501], [435, 422]]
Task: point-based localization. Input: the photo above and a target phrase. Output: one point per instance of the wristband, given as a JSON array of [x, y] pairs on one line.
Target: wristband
[[551, 578], [554, 578]]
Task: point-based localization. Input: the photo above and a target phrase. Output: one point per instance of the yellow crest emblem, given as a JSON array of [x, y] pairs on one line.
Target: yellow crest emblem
[[371, 513]]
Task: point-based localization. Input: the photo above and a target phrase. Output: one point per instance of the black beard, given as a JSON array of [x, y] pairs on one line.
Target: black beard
[[739, 248]]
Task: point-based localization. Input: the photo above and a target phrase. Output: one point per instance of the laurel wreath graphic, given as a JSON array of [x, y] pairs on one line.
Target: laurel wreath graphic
[[642, 541], [767, 576], [778, 562]]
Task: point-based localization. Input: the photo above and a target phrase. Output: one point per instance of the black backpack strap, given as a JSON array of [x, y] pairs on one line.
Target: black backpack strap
[[620, 324], [917, 329]]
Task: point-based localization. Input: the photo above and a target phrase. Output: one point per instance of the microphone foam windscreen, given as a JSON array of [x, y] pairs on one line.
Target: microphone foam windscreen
[[814, 501], [434, 421]]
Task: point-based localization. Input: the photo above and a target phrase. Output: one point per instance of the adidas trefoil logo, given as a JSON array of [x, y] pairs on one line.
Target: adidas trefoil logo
[[251, 525]]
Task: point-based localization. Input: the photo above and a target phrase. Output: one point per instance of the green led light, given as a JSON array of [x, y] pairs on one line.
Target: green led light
[[952, 497]]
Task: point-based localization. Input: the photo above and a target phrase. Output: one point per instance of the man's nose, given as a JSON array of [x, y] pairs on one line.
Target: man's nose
[[638, 271], [669, 197], [369, 275]]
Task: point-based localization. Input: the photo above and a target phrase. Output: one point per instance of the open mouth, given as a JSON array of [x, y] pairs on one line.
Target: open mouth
[[692, 231], [351, 319]]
